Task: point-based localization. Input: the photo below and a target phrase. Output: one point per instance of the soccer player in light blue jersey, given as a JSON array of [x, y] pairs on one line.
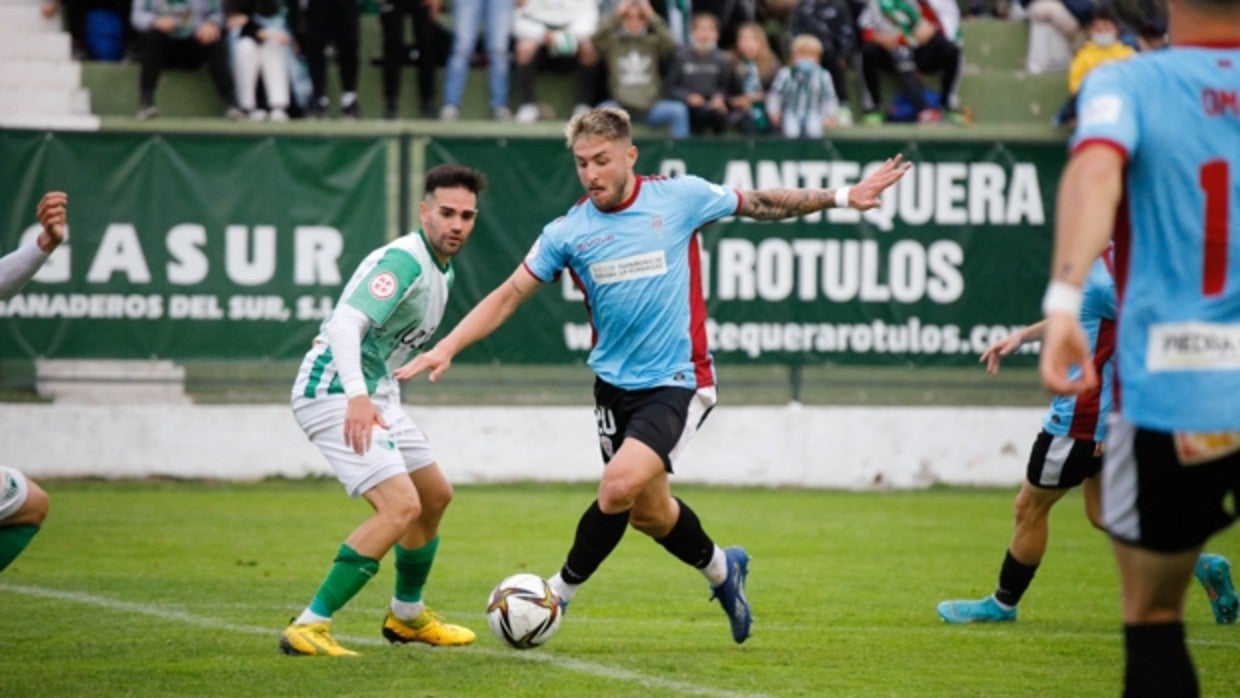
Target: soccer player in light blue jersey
[[1068, 453], [348, 404], [23, 504], [631, 245], [1156, 159]]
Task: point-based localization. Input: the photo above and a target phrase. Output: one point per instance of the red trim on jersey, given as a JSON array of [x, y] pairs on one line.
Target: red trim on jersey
[[1121, 238], [703, 364], [637, 187], [1106, 142], [536, 276], [1088, 405], [740, 201], [586, 301]]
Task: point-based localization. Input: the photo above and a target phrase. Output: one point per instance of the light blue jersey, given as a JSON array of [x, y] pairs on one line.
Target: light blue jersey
[[1085, 416], [639, 266], [1177, 237]]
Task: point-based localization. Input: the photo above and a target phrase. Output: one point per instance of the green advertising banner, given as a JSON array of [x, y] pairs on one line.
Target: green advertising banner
[[184, 246], [955, 257]]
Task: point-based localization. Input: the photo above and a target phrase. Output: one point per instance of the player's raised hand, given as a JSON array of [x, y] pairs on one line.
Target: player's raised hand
[[437, 360], [1064, 345], [53, 215], [1000, 350], [864, 194]]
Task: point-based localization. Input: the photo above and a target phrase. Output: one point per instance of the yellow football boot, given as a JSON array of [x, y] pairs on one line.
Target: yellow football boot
[[312, 639], [428, 627]]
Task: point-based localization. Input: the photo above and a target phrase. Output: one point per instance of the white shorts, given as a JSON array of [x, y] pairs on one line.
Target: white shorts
[[400, 449], [525, 28], [13, 491]]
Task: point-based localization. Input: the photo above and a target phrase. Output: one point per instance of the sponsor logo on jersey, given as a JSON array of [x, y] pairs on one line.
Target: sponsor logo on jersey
[[629, 268], [383, 285], [1103, 109], [1193, 346]]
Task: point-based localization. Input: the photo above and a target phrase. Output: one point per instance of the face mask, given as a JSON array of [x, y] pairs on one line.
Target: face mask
[[1103, 39], [807, 64]]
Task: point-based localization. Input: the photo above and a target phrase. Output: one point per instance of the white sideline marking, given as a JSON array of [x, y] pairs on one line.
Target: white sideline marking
[[599, 670]]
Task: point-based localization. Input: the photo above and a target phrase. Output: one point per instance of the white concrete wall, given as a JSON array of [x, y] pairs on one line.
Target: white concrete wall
[[831, 447]]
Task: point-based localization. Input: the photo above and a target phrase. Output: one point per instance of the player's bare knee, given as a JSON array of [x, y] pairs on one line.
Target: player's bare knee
[[615, 497], [402, 515]]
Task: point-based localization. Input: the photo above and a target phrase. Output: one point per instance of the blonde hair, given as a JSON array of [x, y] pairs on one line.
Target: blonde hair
[[766, 60], [805, 43], [608, 123]]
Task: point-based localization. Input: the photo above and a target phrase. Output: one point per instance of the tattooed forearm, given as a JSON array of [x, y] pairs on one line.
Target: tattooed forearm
[[773, 204]]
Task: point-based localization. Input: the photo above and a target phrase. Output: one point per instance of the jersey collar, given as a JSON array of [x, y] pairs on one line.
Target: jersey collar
[[430, 252]]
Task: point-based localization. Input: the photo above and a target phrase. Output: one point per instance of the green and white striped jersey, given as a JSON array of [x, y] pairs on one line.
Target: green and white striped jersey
[[403, 290]]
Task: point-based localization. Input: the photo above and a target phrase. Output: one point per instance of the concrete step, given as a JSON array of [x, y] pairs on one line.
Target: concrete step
[[994, 44], [33, 101], [51, 122], [36, 46], [17, 74], [20, 20]]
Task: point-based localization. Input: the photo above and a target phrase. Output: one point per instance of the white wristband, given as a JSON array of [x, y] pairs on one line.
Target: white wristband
[[841, 197], [1062, 297]]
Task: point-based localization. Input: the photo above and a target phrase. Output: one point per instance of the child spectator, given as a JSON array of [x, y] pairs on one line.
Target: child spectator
[[633, 43], [559, 30], [834, 23], [802, 101], [261, 42], [701, 75], [906, 38], [182, 33], [755, 68], [1102, 46]]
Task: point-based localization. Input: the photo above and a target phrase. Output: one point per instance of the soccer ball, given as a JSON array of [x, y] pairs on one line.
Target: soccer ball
[[524, 611]]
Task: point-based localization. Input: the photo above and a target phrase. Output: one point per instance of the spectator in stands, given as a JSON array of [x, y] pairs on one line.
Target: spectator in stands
[[332, 23], [633, 44], [1102, 46], [467, 15], [1152, 35], [433, 44], [834, 24], [755, 65], [558, 30], [730, 14], [802, 100], [908, 38], [1055, 32], [701, 77], [674, 12], [260, 46], [181, 33]]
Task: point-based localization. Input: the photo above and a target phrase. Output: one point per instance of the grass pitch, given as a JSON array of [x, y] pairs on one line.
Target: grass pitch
[[181, 589]]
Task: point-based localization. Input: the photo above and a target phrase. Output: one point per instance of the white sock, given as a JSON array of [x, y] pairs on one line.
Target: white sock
[[562, 588], [716, 571], [308, 616], [406, 610]]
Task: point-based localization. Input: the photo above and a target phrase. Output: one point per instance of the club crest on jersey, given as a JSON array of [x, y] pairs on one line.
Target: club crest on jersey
[[383, 285], [656, 224]]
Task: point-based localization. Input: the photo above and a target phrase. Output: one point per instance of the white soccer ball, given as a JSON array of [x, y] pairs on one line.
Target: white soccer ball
[[524, 611]]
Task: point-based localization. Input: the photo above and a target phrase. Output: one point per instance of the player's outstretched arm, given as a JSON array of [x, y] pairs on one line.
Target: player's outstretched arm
[[1000, 350], [19, 266], [485, 318], [774, 204]]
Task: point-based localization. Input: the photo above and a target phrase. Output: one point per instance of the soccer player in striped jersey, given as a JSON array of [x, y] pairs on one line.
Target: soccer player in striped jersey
[[631, 245], [23, 504], [347, 402], [1068, 453], [1156, 161]]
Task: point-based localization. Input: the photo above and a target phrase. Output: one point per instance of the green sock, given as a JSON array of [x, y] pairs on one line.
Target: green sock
[[412, 569], [13, 540], [348, 575]]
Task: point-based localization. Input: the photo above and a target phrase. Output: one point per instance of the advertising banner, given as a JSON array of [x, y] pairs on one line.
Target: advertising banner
[[956, 256], [186, 246]]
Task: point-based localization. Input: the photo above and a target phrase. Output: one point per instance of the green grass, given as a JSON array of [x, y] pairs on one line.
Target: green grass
[[180, 589]]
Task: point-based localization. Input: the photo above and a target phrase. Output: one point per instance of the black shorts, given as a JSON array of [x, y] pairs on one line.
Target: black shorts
[[1062, 462], [1153, 499], [662, 418]]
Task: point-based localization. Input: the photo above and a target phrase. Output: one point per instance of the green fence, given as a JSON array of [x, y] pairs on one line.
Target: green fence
[[195, 246]]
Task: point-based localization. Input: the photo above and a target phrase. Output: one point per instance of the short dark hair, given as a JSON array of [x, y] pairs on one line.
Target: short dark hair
[[451, 176]]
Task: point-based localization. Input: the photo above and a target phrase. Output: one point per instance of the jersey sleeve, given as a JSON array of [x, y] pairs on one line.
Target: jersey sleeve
[[383, 287], [1106, 110], [549, 254], [707, 200]]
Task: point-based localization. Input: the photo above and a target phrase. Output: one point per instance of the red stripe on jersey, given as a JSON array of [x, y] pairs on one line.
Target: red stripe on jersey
[[637, 187], [536, 276], [1088, 405], [1121, 238], [1104, 142], [586, 301], [703, 364]]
